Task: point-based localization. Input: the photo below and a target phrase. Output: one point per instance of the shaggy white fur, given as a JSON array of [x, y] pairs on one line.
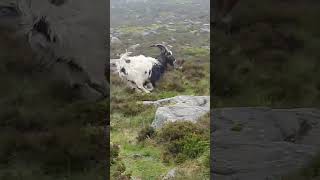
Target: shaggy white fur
[[136, 70]]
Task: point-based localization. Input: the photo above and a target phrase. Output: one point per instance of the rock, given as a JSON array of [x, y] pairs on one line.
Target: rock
[[171, 29], [136, 156], [173, 39], [115, 40], [206, 30], [145, 33], [179, 108], [170, 175], [270, 143], [134, 47]]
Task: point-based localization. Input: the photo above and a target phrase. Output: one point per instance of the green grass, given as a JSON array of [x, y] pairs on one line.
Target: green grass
[[140, 160], [129, 116], [197, 52], [144, 161], [142, 155], [145, 158]]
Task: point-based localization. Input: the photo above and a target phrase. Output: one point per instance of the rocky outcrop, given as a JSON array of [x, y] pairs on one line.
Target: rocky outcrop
[[179, 108], [115, 40], [262, 143], [67, 37]]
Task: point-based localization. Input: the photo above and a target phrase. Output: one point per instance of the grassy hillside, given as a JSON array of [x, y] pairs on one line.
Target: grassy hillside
[[45, 133], [270, 59], [142, 153], [138, 150]]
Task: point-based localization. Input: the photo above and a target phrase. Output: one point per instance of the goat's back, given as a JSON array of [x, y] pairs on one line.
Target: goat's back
[[139, 63]]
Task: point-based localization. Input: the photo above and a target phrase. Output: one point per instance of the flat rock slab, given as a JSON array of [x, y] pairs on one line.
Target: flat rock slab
[[179, 108], [262, 143]]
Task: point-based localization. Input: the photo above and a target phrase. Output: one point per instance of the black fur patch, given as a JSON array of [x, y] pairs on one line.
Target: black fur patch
[[57, 2], [43, 27], [124, 71], [156, 72], [73, 65], [54, 39]]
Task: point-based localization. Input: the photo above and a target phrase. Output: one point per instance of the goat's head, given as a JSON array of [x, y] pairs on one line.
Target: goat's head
[[166, 56]]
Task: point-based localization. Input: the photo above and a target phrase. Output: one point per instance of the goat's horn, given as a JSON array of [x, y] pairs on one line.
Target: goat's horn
[[161, 47]]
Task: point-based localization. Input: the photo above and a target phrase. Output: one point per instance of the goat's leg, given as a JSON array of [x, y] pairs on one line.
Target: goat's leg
[[144, 89], [132, 85], [141, 87], [149, 86]]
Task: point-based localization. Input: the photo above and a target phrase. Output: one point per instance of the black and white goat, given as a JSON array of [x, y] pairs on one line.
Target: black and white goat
[[59, 33], [141, 72]]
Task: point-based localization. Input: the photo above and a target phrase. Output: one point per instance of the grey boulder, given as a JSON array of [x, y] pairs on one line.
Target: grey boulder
[[179, 108], [262, 143]]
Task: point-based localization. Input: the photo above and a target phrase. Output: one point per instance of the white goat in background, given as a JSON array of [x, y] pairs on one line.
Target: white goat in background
[[141, 72]]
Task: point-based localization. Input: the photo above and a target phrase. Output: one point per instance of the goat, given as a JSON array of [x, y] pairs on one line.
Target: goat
[[141, 72], [59, 32]]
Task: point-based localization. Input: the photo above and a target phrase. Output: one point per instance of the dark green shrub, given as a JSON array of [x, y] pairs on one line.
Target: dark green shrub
[[128, 108], [183, 140], [177, 130], [146, 132], [193, 145], [118, 169], [171, 81], [114, 153]]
